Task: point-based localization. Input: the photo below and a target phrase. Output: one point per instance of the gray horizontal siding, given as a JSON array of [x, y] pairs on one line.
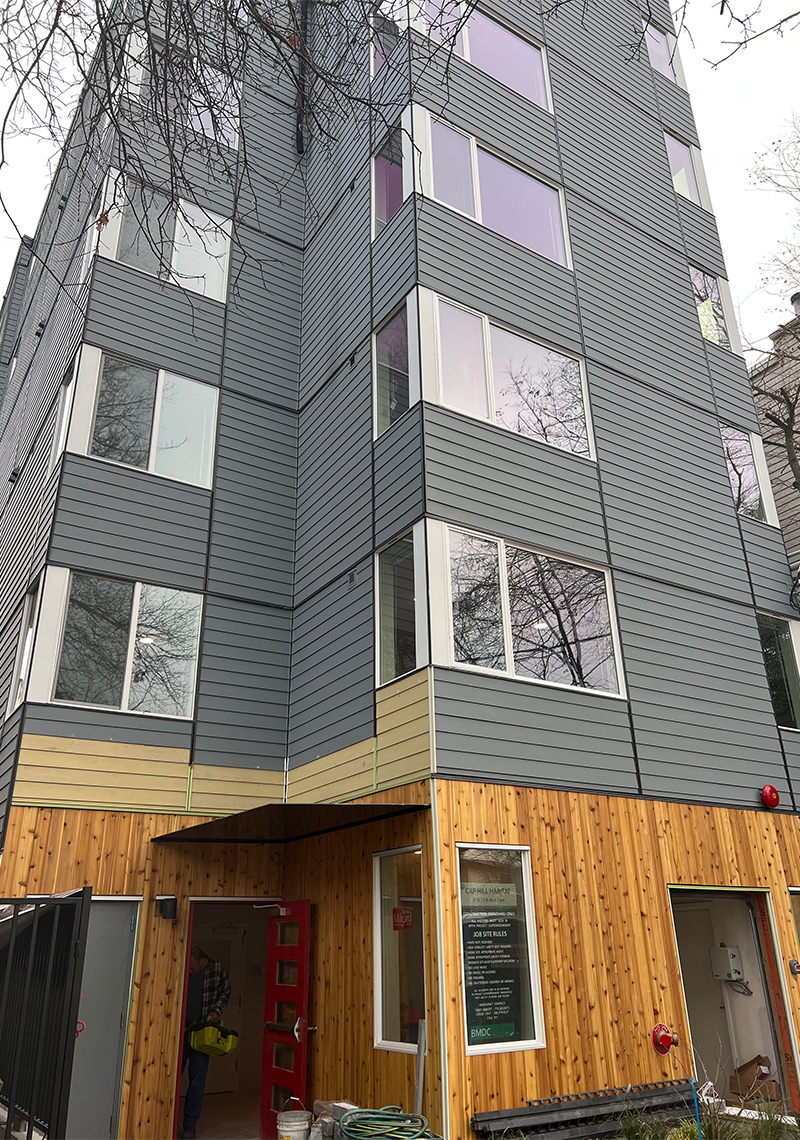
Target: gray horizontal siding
[[769, 567], [394, 262], [732, 392], [251, 551], [10, 737], [675, 108], [45, 522], [117, 520], [333, 669], [399, 482], [9, 644], [494, 480], [515, 732], [19, 522], [469, 263], [701, 237], [132, 313], [791, 750], [701, 708], [665, 488], [101, 724], [243, 688]]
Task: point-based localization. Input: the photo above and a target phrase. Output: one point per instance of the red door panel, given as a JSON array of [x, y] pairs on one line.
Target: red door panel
[[285, 1015]]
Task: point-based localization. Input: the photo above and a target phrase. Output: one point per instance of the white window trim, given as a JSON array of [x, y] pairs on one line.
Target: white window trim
[[700, 178], [87, 388], [377, 955], [764, 484], [66, 402], [428, 187], [794, 634], [731, 322], [224, 225], [442, 600], [432, 387], [534, 968], [420, 603], [409, 164], [23, 661], [411, 304]]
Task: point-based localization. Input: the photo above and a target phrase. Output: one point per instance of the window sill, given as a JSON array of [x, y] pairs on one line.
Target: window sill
[[395, 1046], [567, 265], [163, 281], [141, 470], [508, 1047], [462, 667], [590, 458], [112, 709]]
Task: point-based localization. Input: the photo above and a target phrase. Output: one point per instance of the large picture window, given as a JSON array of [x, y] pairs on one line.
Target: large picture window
[[530, 615], [130, 646], [398, 949], [502, 999]]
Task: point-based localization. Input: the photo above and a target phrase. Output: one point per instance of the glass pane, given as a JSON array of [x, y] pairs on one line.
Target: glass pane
[[520, 207], [560, 624], [397, 615], [742, 472], [452, 168], [165, 652], [213, 102], [281, 1098], [286, 1013], [538, 392], [186, 429], [462, 357], [123, 421], [443, 18], [283, 1056], [147, 230], [386, 31], [200, 259], [659, 51], [475, 589], [781, 667], [506, 57], [94, 650], [289, 934], [497, 969], [391, 366], [27, 645], [402, 959], [388, 179], [682, 167], [287, 974], [708, 299]]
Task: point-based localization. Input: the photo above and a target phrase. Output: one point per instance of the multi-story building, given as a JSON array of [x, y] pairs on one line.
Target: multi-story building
[[392, 602]]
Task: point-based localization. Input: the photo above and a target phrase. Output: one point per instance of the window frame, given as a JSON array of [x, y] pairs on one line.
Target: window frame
[[762, 475], [26, 645], [794, 635], [66, 402], [728, 311], [505, 611], [378, 1041], [534, 964], [421, 602], [678, 77], [411, 303]]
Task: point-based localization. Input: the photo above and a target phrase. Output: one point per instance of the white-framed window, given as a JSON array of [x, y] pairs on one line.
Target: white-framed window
[[502, 987], [66, 396], [506, 199], [748, 474], [662, 50], [681, 165], [125, 645], [402, 611], [391, 352], [398, 948], [714, 309], [387, 178], [525, 614], [22, 666], [780, 645]]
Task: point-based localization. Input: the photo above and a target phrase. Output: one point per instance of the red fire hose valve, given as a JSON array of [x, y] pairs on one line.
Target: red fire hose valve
[[663, 1039]]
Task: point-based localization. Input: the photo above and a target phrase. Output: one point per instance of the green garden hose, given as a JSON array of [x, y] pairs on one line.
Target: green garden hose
[[390, 1122]]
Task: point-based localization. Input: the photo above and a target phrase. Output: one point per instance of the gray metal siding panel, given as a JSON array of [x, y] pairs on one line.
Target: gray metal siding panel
[[493, 480], [394, 263], [18, 528], [665, 488], [79, 723], [769, 567], [333, 669], [132, 313], [10, 737], [675, 109], [732, 392], [520, 733], [701, 237], [251, 552], [399, 483], [9, 644], [116, 520], [242, 694], [701, 708], [790, 738]]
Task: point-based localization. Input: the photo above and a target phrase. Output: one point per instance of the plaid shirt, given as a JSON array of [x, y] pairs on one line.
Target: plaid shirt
[[216, 989]]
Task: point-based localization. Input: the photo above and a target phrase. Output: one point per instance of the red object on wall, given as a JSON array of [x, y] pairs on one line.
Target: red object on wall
[[769, 796], [402, 918], [663, 1039]]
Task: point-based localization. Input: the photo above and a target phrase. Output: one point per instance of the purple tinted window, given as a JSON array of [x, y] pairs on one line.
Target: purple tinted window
[[506, 57], [443, 17], [520, 207], [682, 168], [388, 179], [659, 50], [452, 168], [463, 368]]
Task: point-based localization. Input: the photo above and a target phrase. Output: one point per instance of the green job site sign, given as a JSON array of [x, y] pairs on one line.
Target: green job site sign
[[494, 948]]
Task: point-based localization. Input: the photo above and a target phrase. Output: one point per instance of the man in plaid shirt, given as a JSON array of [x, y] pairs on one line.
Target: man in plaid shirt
[[209, 993]]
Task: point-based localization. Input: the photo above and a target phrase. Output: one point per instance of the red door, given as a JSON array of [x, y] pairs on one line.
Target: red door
[[283, 1075]]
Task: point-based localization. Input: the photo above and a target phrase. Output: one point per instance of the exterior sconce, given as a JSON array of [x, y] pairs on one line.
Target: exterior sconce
[[167, 907]]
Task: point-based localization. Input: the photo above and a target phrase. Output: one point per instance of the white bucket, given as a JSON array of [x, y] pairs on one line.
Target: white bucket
[[294, 1125]]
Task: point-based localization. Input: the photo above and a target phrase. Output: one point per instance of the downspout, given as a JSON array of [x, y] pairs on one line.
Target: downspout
[[300, 144]]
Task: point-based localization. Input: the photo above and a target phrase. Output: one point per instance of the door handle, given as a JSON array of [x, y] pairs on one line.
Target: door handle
[[298, 1029]]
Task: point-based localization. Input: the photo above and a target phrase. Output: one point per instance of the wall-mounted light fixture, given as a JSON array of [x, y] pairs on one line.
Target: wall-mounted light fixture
[[167, 907]]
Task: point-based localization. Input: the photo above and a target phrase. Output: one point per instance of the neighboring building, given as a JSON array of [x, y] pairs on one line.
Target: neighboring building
[[441, 507], [776, 380]]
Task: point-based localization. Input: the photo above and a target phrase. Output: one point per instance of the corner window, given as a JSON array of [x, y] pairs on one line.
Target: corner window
[[743, 472], [155, 420], [502, 995], [388, 178], [391, 369], [710, 311], [25, 652], [397, 609], [781, 667], [129, 646], [492, 373], [398, 949], [682, 168], [529, 615], [660, 51], [497, 194]]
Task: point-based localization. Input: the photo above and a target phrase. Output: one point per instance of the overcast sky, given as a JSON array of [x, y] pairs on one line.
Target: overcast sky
[[740, 108]]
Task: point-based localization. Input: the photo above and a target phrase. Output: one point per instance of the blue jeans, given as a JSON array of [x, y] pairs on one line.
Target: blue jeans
[[198, 1071]]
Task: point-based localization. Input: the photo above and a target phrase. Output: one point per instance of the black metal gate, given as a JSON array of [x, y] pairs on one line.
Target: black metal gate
[[42, 945]]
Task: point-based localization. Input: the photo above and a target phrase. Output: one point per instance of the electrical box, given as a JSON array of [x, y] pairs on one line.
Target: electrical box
[[726, 963]]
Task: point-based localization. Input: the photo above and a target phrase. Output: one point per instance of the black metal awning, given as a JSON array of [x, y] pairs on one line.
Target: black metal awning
[[286, 823]]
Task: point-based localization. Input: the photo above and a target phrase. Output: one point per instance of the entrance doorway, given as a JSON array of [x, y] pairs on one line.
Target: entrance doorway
[[732, 1019]]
